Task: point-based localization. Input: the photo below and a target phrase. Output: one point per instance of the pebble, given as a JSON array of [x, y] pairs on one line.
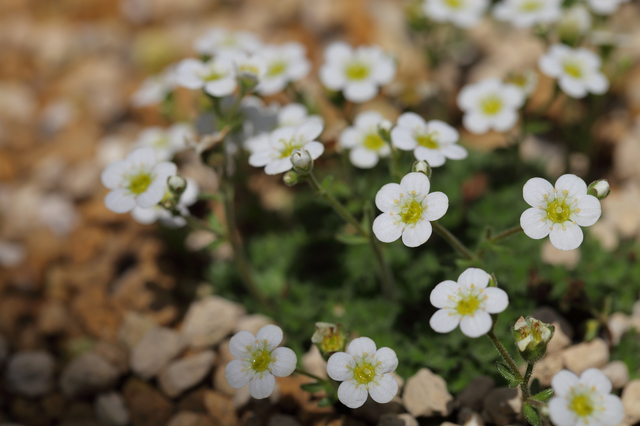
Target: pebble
[[551, 316], [502, 406], [475, 392], [134, 327], [220, 382], [148, 406], [252, 323], [282, 420], [87, 374], [631, 402], [426, 394], [156, 349], [559, 341], [594, 354], [314, 363], [220, 408], [404, 419], [31, 373], [189, 418], [53, 318], [618, 373], [210, 320], [185, 373], [111, 409], [618, 324], [547, 367]]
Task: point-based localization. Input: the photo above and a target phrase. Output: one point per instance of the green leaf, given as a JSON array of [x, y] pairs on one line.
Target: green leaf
[[537, 127], [544, 395], [313, 387], [531, 413], [508, 374], [326, 182], [325, 402], [352, 239]]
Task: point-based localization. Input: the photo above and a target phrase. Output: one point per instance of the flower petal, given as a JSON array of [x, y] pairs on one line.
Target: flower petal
[[434, 157], [310, 130], [164, 170], [271, 335], [367, 120], [613, 411], [338, 51], [418, 234], [120, 201], [349, 137], [351, 395], [411, 121], [534, 223], [337, 366], [535, 190], [418, 182], [384, 389], [444, 321], [566, 236], [284, 362], [403, 139], [360, 92], [387, 197], [239, 343], [384, 71], [574, 186], [594, 378], [572, 87], [280, 165], [590, 210], [142, 157], [440, 295], [331, 77], [505, 120], [476, 123], [112, 177], [454, 151], [437, 204], [474, 276], [223, 87], [386, 228], [475, 325], [388, 358], [235, 374], [260, 158], [153, 195], [145, 216], [559, 413], [563, 381], [497, 300], [261, 387], [363, 158], [361, 345], [315, 149], [598, 84]]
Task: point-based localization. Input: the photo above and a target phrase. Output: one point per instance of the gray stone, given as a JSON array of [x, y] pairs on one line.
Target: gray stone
[[475, 392], [210, 320], [156, 349], [252, 323], [550, 316], [426, 394], [134, 327], [282, 420], [187, 372], [87, 374], [31, 373], [618, 373], [618, 324], [502, 406], [404, 419], [594, 354], [111, 409], [631, 402]]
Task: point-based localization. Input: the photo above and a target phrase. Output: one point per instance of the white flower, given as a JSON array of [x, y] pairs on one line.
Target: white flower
[[274, 153], [559, 212], [575, 21], [526, 81], [490, 104], [364, 140], [584, 401], [527, 13], [577, 70], [364, 370], [357, 72], [605, 7], [462, 13], [285, 64], [407, 210], [468, 302], [147, 216], [217, 77], [155, 89], [252, 66], [258, 359], [138, 180], [165, 142], [219, 40], [295, 115], [432, 141]]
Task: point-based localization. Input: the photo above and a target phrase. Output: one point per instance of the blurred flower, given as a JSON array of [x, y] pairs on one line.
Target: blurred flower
[[138, 180], [577, 70], [258, 360], [408, 209], [527, 13], [219, 40], [468, 303], [490, 104], [155, 89], [250, 69], [59, 214], [147, 216], [526, 81], [605, 7], [294, 115], [217, 77], [165, 142], [462, 13], [285, 64], [364, 370], [357, 72], [364, 140], [559, 212], [274, 152], [432, 141], [586, 400], [575, 22]]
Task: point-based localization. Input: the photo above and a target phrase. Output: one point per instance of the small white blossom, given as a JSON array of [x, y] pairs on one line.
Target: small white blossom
[[165, 142], [357, 72], [364, 141], [273, 152], [527, 13], [252, 66], [147, 216], [433, 141], [490, 104], [258, 360], [526, 81], [577, 70], [575, 21], [364, 370], [605, 7], [285, 64], [219, 40], [559, 212], [138, 180], [462, 13], [408, 209], [295, 115], [584, 400], [217, 76], [155, 89], [468, 303]]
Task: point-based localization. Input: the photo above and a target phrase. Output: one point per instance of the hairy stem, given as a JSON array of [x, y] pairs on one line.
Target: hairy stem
[[306, 373], [526, 393], [453, 241], [504, 354], [504, 234]]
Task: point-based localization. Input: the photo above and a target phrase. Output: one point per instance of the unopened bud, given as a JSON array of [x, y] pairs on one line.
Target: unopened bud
[[599, 189], [291, 178], [248, 80], [384, 130], [532, 337], [177, 184], [329, 338], [422, 167], [302, 161], [170, 201]]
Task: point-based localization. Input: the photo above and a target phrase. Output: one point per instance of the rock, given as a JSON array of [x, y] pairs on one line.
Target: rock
[[252, 323], [148, 406], [426, 394], [631, 402], [635, 311], [468, 417], [209, 320], [182, 374], [502, 406], [475, 392], [220, 382], [156, 349], [371, 411], [550, 316], [314, 363], [53, 318], [618, 324], [242, 396], [559, 341], [594, 354], [282, 420], [618, 373], [87, 374], [134, 327], [189, 418], [220, 408], [115, 353], [554, 256], [404, 419], [547, 367], [111, 409], [31, 373]]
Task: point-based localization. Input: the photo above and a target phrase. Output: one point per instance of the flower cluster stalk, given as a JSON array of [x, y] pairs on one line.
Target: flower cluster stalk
[[453, 241]]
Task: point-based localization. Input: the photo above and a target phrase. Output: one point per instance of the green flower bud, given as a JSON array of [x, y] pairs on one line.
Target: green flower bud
[[532, 337], [302, 161], [248, 80], [176, 184], [291, 178], [329, 338], [599, 189], [422, 167]]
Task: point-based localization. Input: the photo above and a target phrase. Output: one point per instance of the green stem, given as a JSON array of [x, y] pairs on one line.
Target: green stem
[[306, 373], [199, 224], [394, 167], [504, 354], [386, 275], [453, 241], [505, 234], [526, 394]]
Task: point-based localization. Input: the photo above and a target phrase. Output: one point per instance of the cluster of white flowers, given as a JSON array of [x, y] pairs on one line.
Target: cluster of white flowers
[[165, 142], [462, 13], [605, 7], [527, 13]]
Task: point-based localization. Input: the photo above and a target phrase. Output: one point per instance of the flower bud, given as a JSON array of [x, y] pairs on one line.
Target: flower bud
[[531, 338], [177, 184], [329, 338], [248, 80], [170, 201], [422, 167], [599, 189], [302, 161], [291, 178], [384, 130]]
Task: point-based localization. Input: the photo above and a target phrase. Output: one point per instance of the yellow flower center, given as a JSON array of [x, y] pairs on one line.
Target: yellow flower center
[[581, 405], [260, 360], [276, 67], [491, 105], [454, 4], [250, 69], [289, 146], [530, 6], [412, 212], [364, 373], [558, 211], [139, 183], [373, 141], [161, 142], [428, 140], [357, 70], [468, 305], [573, 69]]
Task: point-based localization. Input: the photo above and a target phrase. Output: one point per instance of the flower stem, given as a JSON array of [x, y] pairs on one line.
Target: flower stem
[[505, 234], [504, 354], [453, 241], [306, 373], [526, 394]]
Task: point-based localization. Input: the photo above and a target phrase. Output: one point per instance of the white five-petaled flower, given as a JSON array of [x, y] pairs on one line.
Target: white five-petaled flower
[[147, 216], [219, 40], [462, 13], [559, 212], [138, 180], [364, 141], [295, 115], [285, 64], [364, 370], [155, 89], [577, 70], [490, 104], [527, 13], [575, 21], [165, 142], [253, 66], [605, 7], [433, 141], [357, 72], [468, 302], [408, 209], [217, 76], [584, 400], [274, 152], [258, 360]]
